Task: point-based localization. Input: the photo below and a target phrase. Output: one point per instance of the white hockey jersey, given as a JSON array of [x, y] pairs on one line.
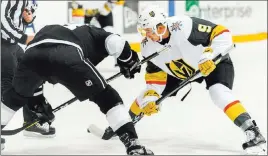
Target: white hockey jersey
[[189, 37]]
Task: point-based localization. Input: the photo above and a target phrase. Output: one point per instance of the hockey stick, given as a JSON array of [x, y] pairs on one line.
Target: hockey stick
[[100, 133], [15, 131]]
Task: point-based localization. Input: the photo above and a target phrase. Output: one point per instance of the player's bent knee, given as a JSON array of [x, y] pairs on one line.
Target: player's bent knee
[[13, 100], [107, 99], [117, 117], [221, 95], [111, 104]]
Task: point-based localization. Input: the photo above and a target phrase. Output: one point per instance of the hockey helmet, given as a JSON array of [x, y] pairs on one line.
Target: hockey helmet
[[150, 17]]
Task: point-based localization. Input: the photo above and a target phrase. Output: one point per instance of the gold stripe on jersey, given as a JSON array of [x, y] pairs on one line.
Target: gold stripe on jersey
[[135, 109], [156, 78], [234, 109], [219, 29]]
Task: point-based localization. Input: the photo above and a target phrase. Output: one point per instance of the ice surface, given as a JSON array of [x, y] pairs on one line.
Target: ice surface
[[195, 126]]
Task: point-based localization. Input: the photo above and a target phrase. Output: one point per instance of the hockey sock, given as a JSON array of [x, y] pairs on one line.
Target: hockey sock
[[119, 120], [6, 115], [238, 114], [223, 97]]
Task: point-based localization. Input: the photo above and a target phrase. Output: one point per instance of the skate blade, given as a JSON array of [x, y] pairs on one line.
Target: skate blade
[[257, 150], [37, 135], [95, 130]]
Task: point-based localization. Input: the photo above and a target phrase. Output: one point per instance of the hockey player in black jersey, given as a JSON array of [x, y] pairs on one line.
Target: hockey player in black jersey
[[65, 55]]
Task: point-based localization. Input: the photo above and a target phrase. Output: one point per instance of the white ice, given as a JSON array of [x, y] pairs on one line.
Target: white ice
[[195, 126]]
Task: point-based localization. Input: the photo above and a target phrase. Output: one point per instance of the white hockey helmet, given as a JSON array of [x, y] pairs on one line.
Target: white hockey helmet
[[150, 17]]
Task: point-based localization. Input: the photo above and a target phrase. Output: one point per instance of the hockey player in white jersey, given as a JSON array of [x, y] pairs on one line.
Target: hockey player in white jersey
[[194, 43]]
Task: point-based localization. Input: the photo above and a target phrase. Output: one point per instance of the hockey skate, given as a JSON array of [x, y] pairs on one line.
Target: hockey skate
[[3, 141], [255, 143], [134, 147], [38, 130]]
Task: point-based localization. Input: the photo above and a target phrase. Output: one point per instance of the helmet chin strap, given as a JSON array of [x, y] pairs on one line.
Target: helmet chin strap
[[160, 35], [161, 38]]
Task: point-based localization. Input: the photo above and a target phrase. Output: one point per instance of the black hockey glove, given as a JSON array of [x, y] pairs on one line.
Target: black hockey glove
[[129, 66], [41, 109]]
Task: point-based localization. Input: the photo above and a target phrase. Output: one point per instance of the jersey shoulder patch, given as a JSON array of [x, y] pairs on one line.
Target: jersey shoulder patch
[[182, 24], [175, 26], [144, 42], [146, 46]]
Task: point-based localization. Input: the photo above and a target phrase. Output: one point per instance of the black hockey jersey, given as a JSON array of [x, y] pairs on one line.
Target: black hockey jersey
[[88, 39]]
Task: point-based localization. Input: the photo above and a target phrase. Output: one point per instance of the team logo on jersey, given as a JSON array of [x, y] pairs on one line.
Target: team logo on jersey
[[180, 69], [176, 26], [152, 14], [88, 83]]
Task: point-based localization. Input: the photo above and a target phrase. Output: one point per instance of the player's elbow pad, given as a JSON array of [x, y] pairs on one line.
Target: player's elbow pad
[[222, 43], [126, 52], [115, 45]]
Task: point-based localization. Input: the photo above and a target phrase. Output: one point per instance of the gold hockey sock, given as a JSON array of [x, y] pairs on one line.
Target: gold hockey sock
[[237, 113]]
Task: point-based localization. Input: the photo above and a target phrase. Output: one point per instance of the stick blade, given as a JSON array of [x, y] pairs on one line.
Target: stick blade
[[93, 129]]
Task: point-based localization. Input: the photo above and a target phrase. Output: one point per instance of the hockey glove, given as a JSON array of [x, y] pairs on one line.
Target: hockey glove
[[41, 109], [206, 64], [129, 66], [148, 105]]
